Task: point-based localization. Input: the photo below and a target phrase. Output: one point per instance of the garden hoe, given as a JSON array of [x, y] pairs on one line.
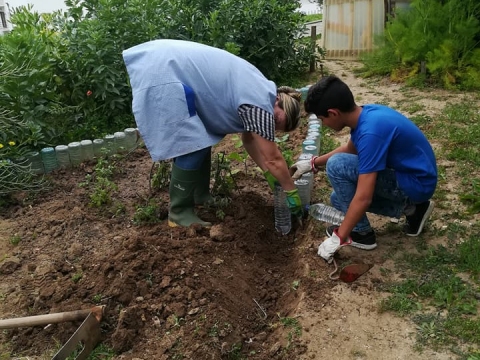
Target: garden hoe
[[83, 341], [349, 273]]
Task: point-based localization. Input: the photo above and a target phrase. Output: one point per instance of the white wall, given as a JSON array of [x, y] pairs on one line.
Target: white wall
[[5, 25]]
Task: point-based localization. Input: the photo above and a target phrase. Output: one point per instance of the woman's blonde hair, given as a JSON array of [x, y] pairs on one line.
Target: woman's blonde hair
[[289, 101]]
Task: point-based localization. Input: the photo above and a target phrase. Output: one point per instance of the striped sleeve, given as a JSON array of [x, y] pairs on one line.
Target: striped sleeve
[[258, 121]]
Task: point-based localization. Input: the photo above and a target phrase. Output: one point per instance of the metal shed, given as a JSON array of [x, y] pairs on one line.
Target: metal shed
[[350, 26]]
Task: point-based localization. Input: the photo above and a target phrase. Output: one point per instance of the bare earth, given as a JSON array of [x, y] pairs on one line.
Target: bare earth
[[196, 293]]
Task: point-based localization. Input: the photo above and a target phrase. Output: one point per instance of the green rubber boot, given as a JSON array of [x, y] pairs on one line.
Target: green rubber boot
[[202, 194], [182, 188]]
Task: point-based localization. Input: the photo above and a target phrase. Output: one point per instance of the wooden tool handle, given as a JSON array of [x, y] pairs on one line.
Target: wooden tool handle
[[41, 320]]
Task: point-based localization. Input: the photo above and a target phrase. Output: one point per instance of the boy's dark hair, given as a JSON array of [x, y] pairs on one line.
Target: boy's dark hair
[[329, 93]]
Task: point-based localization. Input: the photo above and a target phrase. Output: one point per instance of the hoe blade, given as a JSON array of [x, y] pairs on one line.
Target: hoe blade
[[83, 341], [352, 272]]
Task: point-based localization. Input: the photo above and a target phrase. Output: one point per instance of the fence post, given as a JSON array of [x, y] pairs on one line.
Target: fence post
[[313, 36]]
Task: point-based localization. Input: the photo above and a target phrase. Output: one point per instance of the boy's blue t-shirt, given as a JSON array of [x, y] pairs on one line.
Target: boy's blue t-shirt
[[386, 139]]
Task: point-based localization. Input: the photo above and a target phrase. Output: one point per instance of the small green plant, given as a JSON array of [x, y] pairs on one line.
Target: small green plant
[[235, 352], [224, 181], [287, 153], [100, 183], [77, 277], [176, 350], [214, 330], [102, 192], [149, 279], [295, 284], [242, 156], [15, 239], [148, 214], [177, 321], [160, 175], [219, 204], [97, 298], [119, 209]]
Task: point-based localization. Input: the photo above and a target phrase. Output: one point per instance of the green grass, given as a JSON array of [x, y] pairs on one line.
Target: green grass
[[435, 292], [421, 120], [313, 17], [328, 142], [460, 123], [293, 327]]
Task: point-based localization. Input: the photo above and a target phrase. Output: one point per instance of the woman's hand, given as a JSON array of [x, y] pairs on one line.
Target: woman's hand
[[294, 203]]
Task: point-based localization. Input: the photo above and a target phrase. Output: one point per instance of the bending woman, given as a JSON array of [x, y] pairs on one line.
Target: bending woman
[[187, 97]]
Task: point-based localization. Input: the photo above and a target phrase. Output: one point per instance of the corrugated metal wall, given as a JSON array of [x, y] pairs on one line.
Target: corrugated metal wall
[[350, 26]]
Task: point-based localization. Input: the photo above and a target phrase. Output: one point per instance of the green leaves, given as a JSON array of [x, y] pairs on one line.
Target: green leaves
[[443, 34], [68, 80]]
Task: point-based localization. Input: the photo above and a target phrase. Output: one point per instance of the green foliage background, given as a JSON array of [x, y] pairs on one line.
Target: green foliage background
[[68, 80], [444, 34]]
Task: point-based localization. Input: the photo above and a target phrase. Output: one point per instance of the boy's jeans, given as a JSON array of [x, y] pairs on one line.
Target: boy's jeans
[[388, 198]]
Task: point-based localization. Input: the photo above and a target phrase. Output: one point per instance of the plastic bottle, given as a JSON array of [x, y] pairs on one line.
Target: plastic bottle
[[49, 159], [120, 142], [36, 163], [109, 142], [98, 146], [283, 220], [304, 92], [131, 136], [313, 132], [303, 186], [87, 149], [326, 213], [311, 149], [63, 157], [306, 143], [310, 178], [75, 152]]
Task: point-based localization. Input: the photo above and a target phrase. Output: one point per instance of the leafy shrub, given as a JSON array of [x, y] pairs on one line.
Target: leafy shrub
[[18, 177], [443, 34], [72, 83]]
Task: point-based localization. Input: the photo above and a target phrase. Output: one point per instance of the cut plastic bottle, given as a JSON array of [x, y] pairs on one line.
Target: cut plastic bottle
[[327, 214], [283, 220], [303, 186], [63, 157]]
